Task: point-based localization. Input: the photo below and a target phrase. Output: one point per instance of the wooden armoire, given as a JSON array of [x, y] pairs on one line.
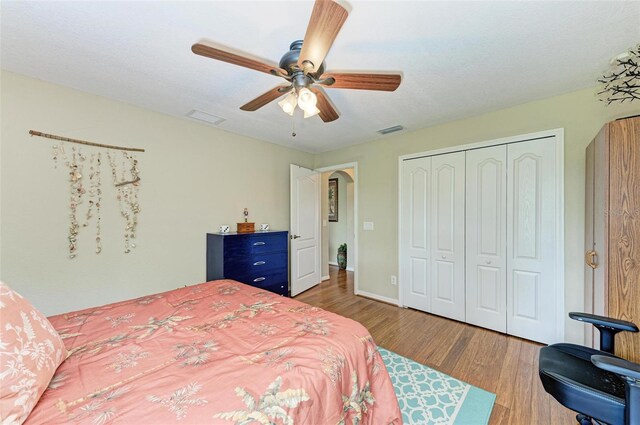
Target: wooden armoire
[[612, 229]]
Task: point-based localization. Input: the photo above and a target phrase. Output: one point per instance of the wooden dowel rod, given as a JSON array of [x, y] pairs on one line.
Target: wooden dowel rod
[[82, 142]]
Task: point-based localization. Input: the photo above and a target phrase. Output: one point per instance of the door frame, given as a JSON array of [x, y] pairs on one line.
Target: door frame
[[558, 133], [356, 229]]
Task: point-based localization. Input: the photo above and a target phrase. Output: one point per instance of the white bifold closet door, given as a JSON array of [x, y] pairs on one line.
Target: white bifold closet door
[[532, 239], [414, 250], [486, 237], [479, 237], [432, 252], [447, 235]]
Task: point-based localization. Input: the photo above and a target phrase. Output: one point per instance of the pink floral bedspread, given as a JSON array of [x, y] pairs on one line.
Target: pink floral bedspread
[[216, 353]]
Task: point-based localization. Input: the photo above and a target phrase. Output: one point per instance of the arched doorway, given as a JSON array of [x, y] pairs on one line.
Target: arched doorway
[[339, 213]]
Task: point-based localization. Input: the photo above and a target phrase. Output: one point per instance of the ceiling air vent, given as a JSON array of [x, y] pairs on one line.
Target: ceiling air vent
[[205, 117], [391, 129]]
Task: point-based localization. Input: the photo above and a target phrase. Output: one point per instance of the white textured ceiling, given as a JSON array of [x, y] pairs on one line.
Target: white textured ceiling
[[458, 59]]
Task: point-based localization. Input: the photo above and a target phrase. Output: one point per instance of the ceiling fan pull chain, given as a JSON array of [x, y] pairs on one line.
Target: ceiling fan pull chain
[[293, 127]]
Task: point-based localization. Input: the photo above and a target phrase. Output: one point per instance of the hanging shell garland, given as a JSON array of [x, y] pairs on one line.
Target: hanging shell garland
[[126, 194]]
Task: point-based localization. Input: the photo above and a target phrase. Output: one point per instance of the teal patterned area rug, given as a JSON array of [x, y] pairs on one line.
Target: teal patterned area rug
[[427, 396]]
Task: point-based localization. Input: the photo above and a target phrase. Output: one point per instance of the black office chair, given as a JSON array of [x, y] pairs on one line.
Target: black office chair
[[600, 386]]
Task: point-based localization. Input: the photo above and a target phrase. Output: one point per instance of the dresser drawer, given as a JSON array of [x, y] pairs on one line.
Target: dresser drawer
[[257, 243], [278, 288], [260, 280], [257, 263]]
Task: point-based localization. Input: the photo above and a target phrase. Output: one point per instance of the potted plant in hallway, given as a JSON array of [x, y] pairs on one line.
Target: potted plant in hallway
[[342, 256]]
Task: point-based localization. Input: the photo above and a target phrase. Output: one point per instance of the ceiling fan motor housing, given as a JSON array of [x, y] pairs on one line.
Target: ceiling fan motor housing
[[289, 61]]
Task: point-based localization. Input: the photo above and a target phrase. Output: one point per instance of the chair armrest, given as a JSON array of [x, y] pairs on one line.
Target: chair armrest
[[617, 366], [601, 321]]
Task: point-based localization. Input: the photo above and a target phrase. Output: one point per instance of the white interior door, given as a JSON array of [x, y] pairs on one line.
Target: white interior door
[[414, 239], [447, 235], [305, 229], [532, 239], [486, 253]]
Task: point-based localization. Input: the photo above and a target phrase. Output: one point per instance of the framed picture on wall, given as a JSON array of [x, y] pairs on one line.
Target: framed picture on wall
[[333, 199]]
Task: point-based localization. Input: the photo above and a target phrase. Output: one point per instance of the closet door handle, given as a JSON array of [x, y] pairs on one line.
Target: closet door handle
[[259, 243], [591, 258], [259, 263], [259, 279]]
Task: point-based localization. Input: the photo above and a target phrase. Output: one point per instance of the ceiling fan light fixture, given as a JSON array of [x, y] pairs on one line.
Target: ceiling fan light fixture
[[306, 99], [311, 112], [288, 104]]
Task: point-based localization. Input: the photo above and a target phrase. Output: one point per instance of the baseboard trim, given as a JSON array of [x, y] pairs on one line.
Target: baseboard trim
[[333, 263], [323, 278], [377, 297]]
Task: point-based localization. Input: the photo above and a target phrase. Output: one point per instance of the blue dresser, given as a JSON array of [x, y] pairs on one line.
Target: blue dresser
[[258, 259]]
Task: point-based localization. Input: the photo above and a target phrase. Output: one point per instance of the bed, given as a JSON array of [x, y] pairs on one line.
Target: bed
[[217, 353]]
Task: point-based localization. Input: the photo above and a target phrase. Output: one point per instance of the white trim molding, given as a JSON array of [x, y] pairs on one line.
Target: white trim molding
[[377, 297], [556, 132], [333, 263]]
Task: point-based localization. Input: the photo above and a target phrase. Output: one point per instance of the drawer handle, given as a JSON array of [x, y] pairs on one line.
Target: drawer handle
[[591, 258], [259, 243], [259, 279], [259, 263]]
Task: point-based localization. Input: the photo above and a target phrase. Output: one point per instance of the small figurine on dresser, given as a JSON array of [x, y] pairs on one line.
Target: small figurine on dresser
[[246, 227]]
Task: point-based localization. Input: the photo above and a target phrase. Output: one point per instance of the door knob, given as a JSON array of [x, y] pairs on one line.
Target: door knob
[[295, 236]]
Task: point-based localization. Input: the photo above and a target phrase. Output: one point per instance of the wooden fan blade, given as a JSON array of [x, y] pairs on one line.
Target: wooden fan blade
[[263, 99], [326, 20], [327, 111], [211, 50], [360, 81]]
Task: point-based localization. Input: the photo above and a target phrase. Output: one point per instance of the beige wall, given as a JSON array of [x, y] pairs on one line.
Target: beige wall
[[324, 205], [579, 113], [194, 178], [338, 231], [345, 225]]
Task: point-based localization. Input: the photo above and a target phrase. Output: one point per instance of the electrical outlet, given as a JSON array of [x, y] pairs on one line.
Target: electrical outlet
[[394, 280]]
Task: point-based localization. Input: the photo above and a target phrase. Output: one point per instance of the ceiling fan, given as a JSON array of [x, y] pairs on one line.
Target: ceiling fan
[[304, 69]]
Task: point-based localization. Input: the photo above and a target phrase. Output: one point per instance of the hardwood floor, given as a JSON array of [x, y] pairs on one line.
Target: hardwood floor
[[504, 365]]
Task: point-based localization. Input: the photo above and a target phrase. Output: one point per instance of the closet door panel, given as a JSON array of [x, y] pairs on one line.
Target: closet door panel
[[447, 236], [486, 197], [414, 243], [532, 239]]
